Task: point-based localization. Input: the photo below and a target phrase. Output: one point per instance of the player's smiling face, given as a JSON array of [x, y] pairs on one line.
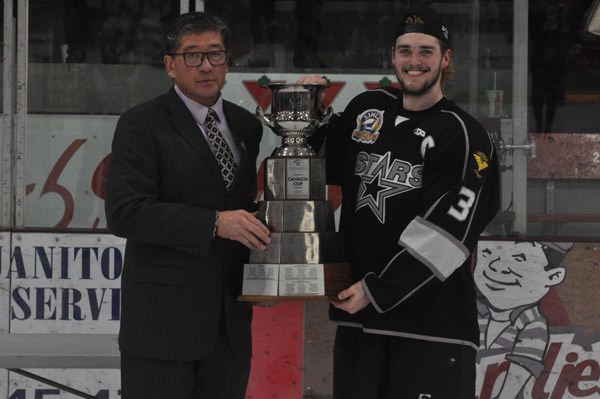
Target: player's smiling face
[[419, 61]]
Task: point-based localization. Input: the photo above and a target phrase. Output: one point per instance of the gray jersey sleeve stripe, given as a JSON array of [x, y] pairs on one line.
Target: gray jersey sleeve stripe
[[441, 252], [370, 296], [467, 142], [379, 308]]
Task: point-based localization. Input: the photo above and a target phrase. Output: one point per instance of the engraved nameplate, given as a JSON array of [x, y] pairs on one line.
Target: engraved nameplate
[[260, 279], [301, 279]]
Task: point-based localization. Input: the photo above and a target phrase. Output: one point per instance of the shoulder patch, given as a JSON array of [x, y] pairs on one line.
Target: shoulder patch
[[481, 164], [368, 124]]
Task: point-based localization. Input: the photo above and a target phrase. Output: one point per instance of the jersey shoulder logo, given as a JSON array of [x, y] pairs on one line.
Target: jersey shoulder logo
[[481, 163], [368, 124]]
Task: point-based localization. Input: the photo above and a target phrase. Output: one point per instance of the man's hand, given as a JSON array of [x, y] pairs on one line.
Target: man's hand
[[313, 79], [352, 299], [244, 227]]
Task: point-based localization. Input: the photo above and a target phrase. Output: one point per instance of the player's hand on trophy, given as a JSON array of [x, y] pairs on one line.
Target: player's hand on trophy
[[352, 299], [314, 80], [244, 227]]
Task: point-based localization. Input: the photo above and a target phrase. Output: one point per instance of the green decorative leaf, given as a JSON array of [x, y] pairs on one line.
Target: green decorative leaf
[[385, 82], [264, 80]]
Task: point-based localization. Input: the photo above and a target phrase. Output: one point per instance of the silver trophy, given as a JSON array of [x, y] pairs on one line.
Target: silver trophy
[[295, 110], [305, 258]]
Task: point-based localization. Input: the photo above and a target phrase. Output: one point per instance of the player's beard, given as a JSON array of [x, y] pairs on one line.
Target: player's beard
[[425, 87]]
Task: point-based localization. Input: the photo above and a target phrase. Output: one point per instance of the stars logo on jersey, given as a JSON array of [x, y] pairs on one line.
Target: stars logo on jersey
[[383, 178], [481, 163], [367, 126]]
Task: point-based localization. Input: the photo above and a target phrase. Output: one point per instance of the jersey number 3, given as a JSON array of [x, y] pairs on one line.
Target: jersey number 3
[[460, 212]]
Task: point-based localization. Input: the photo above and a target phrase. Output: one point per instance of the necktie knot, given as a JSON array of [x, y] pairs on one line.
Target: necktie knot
[[212, 116], [223, 152]]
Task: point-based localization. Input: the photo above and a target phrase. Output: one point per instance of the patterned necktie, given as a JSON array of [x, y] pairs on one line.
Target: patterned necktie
[[223, 152]]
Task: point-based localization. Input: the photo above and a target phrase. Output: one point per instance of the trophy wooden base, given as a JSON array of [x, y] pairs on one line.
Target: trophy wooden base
[[302, 282]]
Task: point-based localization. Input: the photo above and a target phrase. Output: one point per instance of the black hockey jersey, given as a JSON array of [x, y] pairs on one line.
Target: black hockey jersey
[[418, 188]]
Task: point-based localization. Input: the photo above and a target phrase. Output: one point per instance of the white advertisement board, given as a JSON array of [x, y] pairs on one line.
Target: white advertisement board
[[60, 283]]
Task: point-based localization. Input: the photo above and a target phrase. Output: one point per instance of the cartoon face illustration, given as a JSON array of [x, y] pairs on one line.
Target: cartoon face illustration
[[512, 274]]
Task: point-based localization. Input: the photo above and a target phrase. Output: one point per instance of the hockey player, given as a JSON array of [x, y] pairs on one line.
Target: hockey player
[[419, 180]]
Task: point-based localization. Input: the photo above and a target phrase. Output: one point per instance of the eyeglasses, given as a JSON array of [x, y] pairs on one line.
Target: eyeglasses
[[196, 58]]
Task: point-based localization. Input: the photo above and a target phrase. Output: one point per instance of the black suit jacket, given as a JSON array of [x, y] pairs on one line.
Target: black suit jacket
[[163, 188]]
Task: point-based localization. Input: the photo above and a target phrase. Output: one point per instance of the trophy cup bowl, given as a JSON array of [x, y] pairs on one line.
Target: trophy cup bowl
[[295, 115]]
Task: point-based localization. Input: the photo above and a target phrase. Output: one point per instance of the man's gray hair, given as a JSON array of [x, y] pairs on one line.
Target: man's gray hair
[[194, 22]]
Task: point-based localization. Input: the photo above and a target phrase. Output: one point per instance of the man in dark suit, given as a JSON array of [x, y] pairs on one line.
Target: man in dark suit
[[188, 222]]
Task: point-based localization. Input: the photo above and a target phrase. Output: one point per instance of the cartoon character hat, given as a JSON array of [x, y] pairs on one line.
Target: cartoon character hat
[[422, 19]]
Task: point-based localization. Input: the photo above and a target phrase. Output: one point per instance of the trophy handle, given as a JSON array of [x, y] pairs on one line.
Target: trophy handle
[[263, 118], [325, 118]]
